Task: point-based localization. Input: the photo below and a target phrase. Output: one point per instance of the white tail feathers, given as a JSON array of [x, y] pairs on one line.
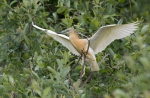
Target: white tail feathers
[[94, 66]]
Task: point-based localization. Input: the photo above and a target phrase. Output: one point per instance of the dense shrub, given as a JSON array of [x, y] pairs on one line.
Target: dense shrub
[[33, 65]]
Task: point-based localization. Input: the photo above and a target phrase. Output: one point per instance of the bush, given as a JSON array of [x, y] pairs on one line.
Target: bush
[[33, 65]]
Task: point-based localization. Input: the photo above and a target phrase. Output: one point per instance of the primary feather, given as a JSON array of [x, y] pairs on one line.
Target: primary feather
[[107, 34]]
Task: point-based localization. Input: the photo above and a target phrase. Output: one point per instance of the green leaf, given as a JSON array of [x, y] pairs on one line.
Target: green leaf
[[47, 93], [62, 92], [40, 62], [76, 4], [112, 54], [14, 1], [121, 1], [67, 21], [95, 23], [57, 86], [55, 16], [76, 85], [35, 74], [11, 80], [2, 90], [61, 10], [67, 2], [24, 34], [118, 93], [65, 70], [144, 29], [106, 16], [51, 70], [145, 62], [65, 57], [36, 87]]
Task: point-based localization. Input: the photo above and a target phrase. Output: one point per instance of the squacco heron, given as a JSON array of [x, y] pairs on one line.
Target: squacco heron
[[98, 42]]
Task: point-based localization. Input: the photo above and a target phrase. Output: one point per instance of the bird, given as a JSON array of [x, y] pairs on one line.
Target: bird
[[104, 36]]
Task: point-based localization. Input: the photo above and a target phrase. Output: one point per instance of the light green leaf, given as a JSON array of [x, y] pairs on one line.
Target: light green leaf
[[145, 62], [76, 85], [55, 16], [67, 21], [36, 87], [121, 1], [47, 93], [67, 2], [35, 74], [112, 54], [76, 4], [145, 28], [11, 80], [24, 34], [51, 70], [14, 1]]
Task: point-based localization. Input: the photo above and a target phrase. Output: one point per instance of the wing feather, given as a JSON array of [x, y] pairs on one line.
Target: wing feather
[[107, 34], [64, 40]]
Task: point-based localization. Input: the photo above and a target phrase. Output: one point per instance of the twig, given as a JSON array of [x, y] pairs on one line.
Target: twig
[[102, 59], [130, 8], [83, 69], [109, 61], [71, 84], [12, 95], [76, 63], [89, 77]]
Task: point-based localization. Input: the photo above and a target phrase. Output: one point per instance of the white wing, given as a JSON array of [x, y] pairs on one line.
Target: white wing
[[107, 34], [64, 40]]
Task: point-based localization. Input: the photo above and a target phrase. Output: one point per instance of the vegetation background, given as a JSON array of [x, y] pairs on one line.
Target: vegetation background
[[34, 65]]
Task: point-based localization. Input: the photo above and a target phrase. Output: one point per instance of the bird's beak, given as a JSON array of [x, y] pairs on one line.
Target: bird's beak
[[64, 31]]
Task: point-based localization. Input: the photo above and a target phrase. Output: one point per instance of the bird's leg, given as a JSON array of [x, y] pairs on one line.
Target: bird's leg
[[87, 53], [103, 59], [88, 46]]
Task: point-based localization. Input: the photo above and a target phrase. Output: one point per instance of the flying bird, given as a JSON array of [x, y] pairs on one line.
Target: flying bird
[[98, 42]]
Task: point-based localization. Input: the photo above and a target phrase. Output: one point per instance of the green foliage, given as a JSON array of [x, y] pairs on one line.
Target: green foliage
[[33, 65]]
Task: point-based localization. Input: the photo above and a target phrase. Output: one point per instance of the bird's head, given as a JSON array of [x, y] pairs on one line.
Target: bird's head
[[69, 31]]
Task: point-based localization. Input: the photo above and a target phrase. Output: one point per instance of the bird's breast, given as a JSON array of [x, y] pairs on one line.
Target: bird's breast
[[79, 44]]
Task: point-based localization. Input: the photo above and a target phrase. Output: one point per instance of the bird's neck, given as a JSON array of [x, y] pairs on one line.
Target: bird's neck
[[73, 36]]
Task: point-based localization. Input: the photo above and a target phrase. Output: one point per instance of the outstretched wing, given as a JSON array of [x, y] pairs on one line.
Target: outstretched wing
[[107, 34], [64, 40]]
